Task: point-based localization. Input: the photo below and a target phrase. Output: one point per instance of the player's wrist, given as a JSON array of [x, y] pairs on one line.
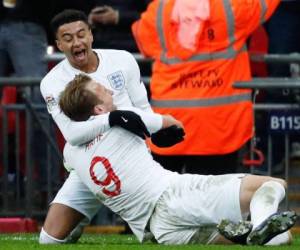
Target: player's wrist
[[130, 121]]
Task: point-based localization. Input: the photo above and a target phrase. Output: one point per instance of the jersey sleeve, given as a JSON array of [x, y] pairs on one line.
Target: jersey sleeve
[[153, 121], [76, 133], [135, 87]]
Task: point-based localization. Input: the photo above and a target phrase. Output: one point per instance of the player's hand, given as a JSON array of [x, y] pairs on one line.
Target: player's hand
[[168, 137], [172, 132], [104, 15], [169, 121], [129, 121]]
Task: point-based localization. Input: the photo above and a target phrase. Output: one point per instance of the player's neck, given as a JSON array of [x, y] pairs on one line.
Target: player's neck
[[92, 65]]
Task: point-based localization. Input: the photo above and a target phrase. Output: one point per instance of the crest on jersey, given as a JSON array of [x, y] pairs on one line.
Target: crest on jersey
[[117, 80], [51, 102]]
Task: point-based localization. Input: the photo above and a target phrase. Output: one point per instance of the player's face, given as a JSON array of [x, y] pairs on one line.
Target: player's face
[[75, 41], [103, 94]]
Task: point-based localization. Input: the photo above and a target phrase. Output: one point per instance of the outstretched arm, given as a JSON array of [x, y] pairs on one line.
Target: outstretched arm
[[154, 121], [165, 130], [77, 133]]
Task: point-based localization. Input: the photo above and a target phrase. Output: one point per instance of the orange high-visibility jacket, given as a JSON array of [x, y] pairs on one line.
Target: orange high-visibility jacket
[[196, 86]]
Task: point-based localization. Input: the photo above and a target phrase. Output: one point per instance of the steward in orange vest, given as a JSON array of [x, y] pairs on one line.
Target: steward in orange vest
[[193, 80]]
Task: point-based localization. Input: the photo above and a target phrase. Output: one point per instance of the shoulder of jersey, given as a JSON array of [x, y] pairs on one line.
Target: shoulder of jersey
[[53, 76], [113, 52]]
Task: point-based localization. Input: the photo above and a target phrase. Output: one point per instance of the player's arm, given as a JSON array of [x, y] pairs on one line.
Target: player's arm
[[169, 121], [165, 130], [77, 133], [135, 87], [154, 121]]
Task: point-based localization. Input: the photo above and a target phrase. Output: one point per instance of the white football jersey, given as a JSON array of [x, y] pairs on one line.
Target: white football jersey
[[118, 168], [117, 71]]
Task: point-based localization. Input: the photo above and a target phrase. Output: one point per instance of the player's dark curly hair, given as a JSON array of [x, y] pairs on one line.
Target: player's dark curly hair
[[67, 16]]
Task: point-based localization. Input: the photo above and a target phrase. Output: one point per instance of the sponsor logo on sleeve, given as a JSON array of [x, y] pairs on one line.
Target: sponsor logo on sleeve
[[51, 103], [116, 80], [124, 119]]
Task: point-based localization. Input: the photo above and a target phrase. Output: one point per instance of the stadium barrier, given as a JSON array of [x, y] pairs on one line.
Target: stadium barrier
[[282, 119], [255, 57], [19, 195], [25, 184]]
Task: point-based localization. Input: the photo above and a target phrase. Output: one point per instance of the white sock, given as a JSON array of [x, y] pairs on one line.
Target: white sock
[[280, 239], [45, 238], [265, 201]]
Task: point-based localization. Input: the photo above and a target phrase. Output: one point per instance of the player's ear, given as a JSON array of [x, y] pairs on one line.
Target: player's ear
[[91, 36], [58, 45], [98, 109]]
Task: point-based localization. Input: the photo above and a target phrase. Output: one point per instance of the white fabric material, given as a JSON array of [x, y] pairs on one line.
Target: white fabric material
[[76, 195], [130, 172], [265, 201], [117, 71], [193, 205], [119, 170], [45, 238], [190, 16]]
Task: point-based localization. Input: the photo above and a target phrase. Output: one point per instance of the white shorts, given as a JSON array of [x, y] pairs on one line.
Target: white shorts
[[76, 195], [191, 207]]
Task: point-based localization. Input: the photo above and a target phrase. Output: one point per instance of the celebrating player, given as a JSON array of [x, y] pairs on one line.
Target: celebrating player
[[177, 209], [119, 72]]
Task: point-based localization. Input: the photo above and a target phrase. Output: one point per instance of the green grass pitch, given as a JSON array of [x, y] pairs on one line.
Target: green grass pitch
[[115, 242]]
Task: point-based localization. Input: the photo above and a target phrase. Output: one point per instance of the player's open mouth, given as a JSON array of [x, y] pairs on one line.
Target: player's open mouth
[[79, 55]]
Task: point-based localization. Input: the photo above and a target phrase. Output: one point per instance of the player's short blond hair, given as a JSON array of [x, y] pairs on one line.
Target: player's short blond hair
[[76, 101]]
